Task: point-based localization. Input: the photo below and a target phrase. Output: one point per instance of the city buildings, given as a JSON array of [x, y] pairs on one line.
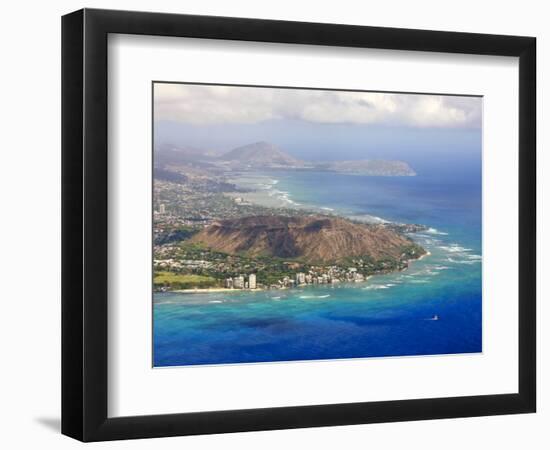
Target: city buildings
[[238, 282], [252, 281]]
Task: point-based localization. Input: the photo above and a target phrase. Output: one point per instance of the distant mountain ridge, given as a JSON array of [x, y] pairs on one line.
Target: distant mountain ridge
[[265, 155], [313, 239], [169, 155], [261, 153]]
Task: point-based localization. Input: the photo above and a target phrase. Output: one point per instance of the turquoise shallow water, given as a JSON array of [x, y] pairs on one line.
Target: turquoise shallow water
[[389, 315]]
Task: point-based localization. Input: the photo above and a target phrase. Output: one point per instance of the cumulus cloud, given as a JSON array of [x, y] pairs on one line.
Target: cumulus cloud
[[202, 104]]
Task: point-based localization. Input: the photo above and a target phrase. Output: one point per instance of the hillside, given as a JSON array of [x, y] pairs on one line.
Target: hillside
[[260, 154], [313, 239]]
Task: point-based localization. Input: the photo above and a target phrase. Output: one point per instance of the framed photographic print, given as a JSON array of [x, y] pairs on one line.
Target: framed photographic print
[[273, 224]]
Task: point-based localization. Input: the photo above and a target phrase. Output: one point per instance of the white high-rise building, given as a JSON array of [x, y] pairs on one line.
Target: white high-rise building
[[252, 281], [162, 208], [238, 282], [300, 278]]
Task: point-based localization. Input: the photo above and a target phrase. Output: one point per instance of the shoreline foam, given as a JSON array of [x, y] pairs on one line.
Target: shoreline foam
[[210, 290]]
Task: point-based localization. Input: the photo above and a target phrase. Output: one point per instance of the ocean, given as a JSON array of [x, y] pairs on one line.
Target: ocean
[[388, 315]]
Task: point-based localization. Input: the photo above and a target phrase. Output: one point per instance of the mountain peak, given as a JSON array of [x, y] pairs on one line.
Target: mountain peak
[[260, 153]]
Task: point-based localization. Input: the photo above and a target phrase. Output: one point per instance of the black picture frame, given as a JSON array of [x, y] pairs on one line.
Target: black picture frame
[[84, 224]]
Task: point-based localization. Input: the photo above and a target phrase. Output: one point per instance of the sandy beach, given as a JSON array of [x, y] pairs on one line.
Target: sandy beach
[[212, 290]]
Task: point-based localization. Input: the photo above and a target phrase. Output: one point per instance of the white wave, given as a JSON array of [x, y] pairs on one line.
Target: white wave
[[368, 218], [432, 270], [464, 261], [420, 281], [326, 208], [426, 239], [215, 301], [292, 202], [379, 219], [283, 196], [314, 296], [474, 257], [377, 286], [435, 231], [454, 248]]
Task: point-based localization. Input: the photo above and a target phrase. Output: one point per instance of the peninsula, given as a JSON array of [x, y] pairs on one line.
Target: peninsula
[[284, 251], [267, 156]]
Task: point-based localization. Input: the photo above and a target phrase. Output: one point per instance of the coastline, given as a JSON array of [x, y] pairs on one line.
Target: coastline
[[428, 253], [266, 195], [392, 310], [263, 193], [233, 290], [212, 290]]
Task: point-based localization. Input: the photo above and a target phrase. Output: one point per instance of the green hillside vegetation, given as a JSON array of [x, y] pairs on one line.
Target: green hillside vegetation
[[173, 280]]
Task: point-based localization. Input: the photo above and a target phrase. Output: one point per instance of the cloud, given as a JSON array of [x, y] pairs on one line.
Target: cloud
[[201, 104]]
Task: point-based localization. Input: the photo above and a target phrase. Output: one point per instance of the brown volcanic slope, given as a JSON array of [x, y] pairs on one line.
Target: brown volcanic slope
[[314, 239]]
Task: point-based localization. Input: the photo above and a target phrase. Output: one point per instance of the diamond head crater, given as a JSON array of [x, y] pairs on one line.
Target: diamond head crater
[[217, 228]]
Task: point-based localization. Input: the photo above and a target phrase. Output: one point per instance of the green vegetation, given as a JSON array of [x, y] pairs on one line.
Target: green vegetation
[[198, 201], [201, 267], [413, 251], [174, 233], [173, 280]]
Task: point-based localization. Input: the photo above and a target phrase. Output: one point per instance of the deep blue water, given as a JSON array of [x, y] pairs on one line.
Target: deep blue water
[[389, 315]]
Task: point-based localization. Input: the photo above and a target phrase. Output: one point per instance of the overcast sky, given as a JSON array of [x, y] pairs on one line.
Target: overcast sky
[[204, 105]]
